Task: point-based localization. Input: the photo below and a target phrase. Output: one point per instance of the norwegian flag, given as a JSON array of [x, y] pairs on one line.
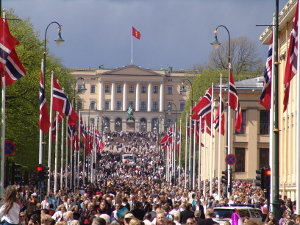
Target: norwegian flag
[[217, 117], [265, 98], [292, 58], [203, 108], [7, 44], [97, 141], [44, 122], [164, 141], [91, 139], [61, 103], [170, 135], [234, 102], [73, 137], [14, 69], [84, 138]]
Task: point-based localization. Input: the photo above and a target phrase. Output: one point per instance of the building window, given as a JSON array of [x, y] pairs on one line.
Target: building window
[[155, 89], [264, 126], [243, 127], [106, 88], [119, 105], [169, 122], [79, 104], [119, 89], [131, 103], [143, 89], [240, 155], [93, 89], [182, 106], [170, 90], [106, 105], [131, 89], [92, 121], [155, 106], [93, 105], [263, 157], [143, 105]]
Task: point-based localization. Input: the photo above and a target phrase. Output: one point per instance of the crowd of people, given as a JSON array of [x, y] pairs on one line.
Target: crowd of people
[[134, 193]]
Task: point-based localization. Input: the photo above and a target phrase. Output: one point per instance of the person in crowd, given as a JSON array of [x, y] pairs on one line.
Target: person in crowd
[[138, 212], [45, 203], [208, 218], [127, 218], [198, 217], [148, 219], [31, 204], [98, 221], [46, 219], [270, 219], [23, 219], [10, 209], [187, 213], [60, 213], [160, 219], [191, 221], [69, 217]]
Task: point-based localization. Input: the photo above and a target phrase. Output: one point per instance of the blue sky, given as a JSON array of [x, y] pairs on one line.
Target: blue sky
[[174, 33]]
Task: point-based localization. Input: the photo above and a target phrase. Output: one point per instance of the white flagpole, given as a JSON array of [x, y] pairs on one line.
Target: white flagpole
[[199, 154], [3, 135], [229, 129], [220, 134], [56, 153], [194, 154], [62, 154], [78, 155], [179, 150], [297, 131], [211, 140], [271, 143], [131, 62], [67, 156], [174, 150], [71, 156], [41, 153], [50, 138], [185, 149], [190, 150], [204, 157]]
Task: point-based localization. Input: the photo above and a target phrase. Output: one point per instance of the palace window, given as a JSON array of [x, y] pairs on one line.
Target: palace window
[[243, 127], [240, 155], [93, 89], [106, 88], [143, 89], [143, 105], [131, 89], [264, 125], [119, 89], [170, 90], [155, 89], [119, 105], [106, 105]]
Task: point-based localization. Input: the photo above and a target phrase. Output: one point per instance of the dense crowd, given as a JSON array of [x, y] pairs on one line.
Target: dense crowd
[[134, 193]]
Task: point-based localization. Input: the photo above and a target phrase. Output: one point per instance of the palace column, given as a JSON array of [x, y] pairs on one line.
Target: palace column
[[161, 97], [113, 87], [137, 97], [149, 108], [100, 103], [125, 96]]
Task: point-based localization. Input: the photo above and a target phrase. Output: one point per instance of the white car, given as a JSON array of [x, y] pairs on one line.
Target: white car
[[223, 214]]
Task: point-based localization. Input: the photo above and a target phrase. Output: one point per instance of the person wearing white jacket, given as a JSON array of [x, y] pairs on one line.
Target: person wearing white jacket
[[10, 209]]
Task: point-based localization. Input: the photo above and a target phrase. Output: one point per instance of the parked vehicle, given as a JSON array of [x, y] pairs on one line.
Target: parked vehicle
[[223, 214]]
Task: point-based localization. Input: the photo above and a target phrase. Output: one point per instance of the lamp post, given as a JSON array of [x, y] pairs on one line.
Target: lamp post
[[216, 45], [59, 42], [174, 142], [80, 88], [191, 133]]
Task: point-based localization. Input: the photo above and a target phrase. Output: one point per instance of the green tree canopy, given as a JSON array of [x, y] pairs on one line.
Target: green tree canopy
[[22, 97]]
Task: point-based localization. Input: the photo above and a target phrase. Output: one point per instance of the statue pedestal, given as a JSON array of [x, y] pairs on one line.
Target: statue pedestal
[[130, 126]]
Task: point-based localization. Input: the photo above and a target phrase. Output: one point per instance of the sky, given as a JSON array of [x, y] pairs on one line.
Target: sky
[[174, 33]]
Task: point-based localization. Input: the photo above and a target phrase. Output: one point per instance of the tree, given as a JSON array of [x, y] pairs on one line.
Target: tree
[[244, 56], [22, 97]]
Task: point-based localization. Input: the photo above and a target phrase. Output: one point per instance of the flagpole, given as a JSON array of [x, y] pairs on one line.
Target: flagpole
[[194, 153], [297, 132], [220, 134], [185, 149], [199, 155], [41, 143], [204, 156], [62, 154], [211, 140], [78, 145], [179, 150], [3, 135], [67, 155], [190, 152], [56, 153], [50, 138], [131, 61]]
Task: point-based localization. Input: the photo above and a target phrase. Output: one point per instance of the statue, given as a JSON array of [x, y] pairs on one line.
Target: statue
[[130, 115]]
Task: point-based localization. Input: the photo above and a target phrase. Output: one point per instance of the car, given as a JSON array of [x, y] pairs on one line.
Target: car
[[223, 214]]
